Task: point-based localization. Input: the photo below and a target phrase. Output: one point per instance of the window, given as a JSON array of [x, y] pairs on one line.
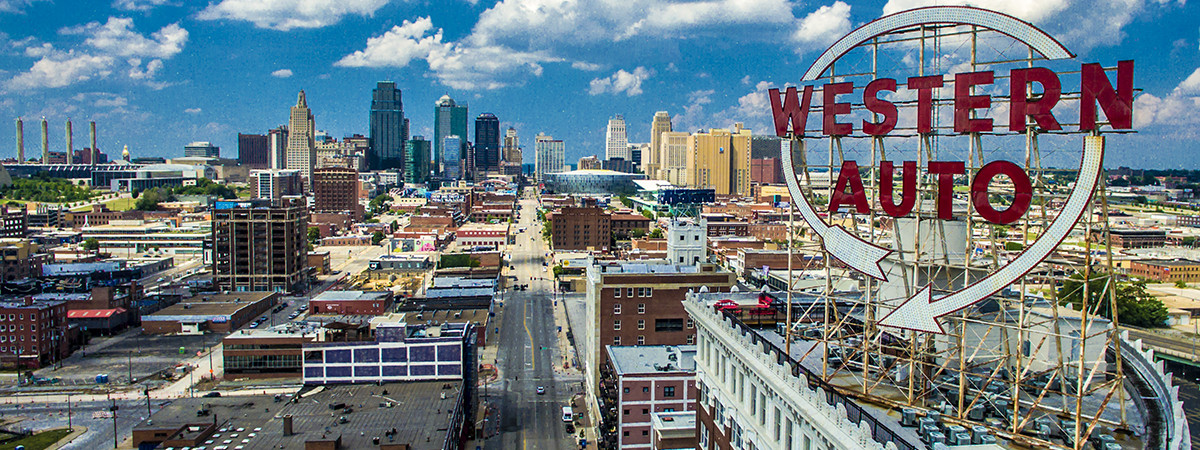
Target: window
[[691, 323], [691, 340], [641, 308], [617, 325], [626, 390], [697, 237], [649, 292], [617, 308], [645, 411], [641, 292], [682, 237], [626, 412], [668, 409], [616, 340], [641, 340], [663, 325], [626, 434], [669, 391], [646, 390], [629, 292], [617, 293], [641, 324], [644, 432]]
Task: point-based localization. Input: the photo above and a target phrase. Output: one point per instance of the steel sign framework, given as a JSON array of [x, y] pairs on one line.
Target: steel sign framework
[[961, 317]]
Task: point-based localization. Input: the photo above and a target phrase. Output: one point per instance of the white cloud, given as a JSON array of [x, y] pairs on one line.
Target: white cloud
[[282, 73], [628, 82], [1175, 108], [823, 26], [62, 69], [457, 65], [110, 44], [138, 5], [665, 18], [692, 116], [590, 67], [118, 38], [15, 6], [285, 15], [192, 110]]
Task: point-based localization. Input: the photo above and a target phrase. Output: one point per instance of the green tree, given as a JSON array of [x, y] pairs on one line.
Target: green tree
[[656, 233], [377, 238], [1014, 246], [1135, 306], [91, 244], [395, 225], [150, 199], [1180, 284], [625, 201], [648, 214], [637, 233], [314, 235]]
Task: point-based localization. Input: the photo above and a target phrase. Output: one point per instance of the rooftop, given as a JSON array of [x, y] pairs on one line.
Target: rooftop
[[652, 359], [679, 420], [351, 296], [615, 267], [1176, 262]]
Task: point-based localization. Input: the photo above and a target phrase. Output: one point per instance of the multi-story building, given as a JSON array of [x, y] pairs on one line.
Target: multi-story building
[[277, 142], [641, 380], [625, 225], [335, 190], [652, 157], [273, 184], [400, 352], [370, 303], [32, 333], [580, 228], [389, 128], [14, 223], [264, 354], [201, 150], [672, 430], [766, 171], [589, 163], [254, 151], [616, 143], [259, 245], [687, 242], [301, 143], [20, 258], [449, 119], [512, 147], [416, 160], [549, 155], [453, 167], [673, 149], [720, 159], [487, 143], [1166, 270], [640, 303]]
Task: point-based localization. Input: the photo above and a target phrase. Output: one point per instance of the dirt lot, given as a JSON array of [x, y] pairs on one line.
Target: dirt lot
[[116, 356]]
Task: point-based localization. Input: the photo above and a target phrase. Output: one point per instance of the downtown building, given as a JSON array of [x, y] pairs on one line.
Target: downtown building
[[301, 151], [449, 119], [276, 184], [720, 160], [642, 381], [389, 128], [486, 149], [335, 190], [201, 150], [254, 151], [549, 156], [259, 245], [652, 158], [417, 154], [33, 333], [616, 142], [512, 153]]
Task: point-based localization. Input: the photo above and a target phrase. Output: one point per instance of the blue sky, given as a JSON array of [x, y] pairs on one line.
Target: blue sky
[[157, 74]]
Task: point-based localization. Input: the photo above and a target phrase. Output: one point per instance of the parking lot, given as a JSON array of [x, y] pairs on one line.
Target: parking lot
[[126, 353]]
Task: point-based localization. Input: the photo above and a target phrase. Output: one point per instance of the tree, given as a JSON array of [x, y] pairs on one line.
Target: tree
[[314, 235], [91, 244], [1135, 306], [149, 200], [395, 225], [638, 233], [625, 201], [377, 238], [1014, 246], [648, 214], [656, 233], [1180, 284]]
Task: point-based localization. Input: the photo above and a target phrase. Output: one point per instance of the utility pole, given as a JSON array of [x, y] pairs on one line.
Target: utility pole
[[113, 410], [69, 427], [148, 412], [129, 365]]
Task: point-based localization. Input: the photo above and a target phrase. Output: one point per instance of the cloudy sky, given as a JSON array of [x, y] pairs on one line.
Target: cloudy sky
[[157, 74]]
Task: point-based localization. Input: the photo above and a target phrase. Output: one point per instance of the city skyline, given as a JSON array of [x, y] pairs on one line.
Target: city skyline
[[157, 76]]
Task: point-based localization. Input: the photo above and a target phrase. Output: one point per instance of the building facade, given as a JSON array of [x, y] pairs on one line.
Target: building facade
[[652, 158], [254, 151], [274, 184], [453, 166], [14, 223], [389, 128], [20, 258], [335, 190], [487, 143], [720, 159], [674, 157], [587, 228], [202, 150], [416, 160], [371, 303], [687, 242], [32, 333], [642, 380], [549, 156], [301, 144], [616, 142], [259, 245], [449, 119], [263, 354], [400, 352]]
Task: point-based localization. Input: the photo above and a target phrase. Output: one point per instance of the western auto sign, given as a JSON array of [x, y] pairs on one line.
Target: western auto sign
[[1028, 109]]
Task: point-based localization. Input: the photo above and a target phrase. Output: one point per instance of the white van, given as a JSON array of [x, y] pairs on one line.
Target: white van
[[567, 416]]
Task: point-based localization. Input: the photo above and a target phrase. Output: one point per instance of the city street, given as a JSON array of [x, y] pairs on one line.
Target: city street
[[528, 352]]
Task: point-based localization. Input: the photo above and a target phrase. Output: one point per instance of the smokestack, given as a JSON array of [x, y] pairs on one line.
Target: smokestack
[[95, 153], [45, 142], [20, 141], [70, 143], [287, 425]]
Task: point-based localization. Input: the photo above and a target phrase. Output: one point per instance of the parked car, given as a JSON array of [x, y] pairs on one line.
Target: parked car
[[541, 390], [213, 394]]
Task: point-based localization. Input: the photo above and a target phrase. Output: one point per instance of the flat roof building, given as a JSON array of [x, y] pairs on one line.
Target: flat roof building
[[352, 302], [259, 245], [219, 313]]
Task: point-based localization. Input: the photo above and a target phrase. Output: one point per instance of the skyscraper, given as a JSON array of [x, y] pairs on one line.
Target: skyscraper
[[277, 141], [720, 160], [487, 143], [203, 149], [652, 159], [452, 164], [549, 155], [616, 142], [512, 147], [301, 143], [254, 151], [388, 128], [416, 160], [449, 119], [673, 162]]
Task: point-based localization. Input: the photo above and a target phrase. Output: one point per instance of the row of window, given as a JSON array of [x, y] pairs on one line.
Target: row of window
[[668, 391], [32, 327], [641, 292], [660, 325], [641, 340], [17, 349]]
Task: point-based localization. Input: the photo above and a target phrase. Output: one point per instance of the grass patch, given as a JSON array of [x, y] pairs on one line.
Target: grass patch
[[38, 441]]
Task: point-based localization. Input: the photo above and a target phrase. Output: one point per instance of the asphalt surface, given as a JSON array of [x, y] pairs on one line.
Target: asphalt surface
[[527, 352], [99, 432]]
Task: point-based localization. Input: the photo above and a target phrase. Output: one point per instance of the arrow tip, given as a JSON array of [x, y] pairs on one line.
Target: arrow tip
[[915, 314]]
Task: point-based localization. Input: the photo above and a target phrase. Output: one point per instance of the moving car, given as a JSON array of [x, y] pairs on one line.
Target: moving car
[[541, 390]]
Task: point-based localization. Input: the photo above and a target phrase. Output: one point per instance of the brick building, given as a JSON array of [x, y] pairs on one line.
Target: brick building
[[480, 234], [335, 190], [580, 228], [32, 333], [218, 313], [766, 170], [19, 258], [264, 354], [259, 245], [1129, 238], [1166, 270], [640, 381], [14, 223], [624, 224], [370, 303]]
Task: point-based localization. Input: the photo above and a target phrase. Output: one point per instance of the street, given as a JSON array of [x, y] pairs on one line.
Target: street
[[528, 352]]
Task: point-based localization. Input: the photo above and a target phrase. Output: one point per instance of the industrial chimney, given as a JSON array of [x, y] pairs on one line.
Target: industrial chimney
[[70, 143], [20, 141], [45, 142], [95, 153]]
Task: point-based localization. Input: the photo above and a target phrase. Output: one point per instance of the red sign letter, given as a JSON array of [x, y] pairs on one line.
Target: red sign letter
[[1022, 195], [946, 170], [1117, 104], [909, 184], [857, 196], [924, 87], [1020, 104], [964, 102], [879, 106], [792, 109], [831, 108]]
